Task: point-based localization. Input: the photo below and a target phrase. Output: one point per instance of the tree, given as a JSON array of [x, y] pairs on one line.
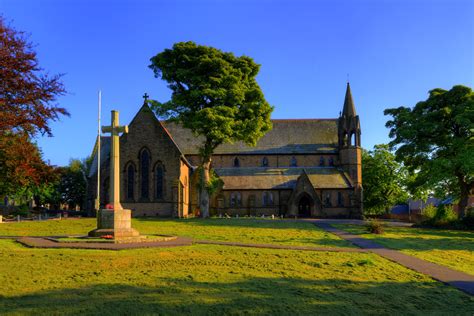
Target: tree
[[21, 165], [434, 140], [216, 96], [384, 180], [27, 98], [73, 184], [26, 94]]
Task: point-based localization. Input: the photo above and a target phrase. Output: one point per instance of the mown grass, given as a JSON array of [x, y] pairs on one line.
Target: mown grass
[[217, 280], [236, 230], [451, 248]]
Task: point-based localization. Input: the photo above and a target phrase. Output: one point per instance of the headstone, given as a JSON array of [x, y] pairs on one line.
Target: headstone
[[115, 221]]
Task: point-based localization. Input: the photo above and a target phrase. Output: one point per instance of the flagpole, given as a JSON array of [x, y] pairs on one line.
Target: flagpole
[[98, 154]]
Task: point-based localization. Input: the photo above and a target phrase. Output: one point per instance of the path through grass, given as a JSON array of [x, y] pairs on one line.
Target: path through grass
[[451, 248]]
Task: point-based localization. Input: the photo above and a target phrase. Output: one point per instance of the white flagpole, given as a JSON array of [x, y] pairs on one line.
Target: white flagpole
[[98, 154]]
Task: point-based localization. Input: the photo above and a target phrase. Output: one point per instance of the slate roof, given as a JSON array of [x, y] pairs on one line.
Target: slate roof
[[281, 178], [301, 136], [104, 154]]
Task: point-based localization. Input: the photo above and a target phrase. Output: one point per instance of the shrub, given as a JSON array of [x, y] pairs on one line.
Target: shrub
[[445, 217], [429, 212], [374, 227]]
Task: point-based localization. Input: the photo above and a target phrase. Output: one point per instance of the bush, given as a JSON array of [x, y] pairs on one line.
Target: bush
[[429, 212], [374, 227], [445, 217]]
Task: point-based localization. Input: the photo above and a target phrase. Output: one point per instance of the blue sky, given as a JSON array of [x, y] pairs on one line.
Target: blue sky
[[393, 51]]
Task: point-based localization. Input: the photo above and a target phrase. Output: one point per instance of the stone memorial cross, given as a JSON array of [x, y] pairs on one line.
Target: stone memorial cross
[[115, 129]]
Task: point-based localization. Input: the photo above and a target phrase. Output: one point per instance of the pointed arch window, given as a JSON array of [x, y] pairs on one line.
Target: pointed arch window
[[130, 182], [235, 199], [145, 174], [352, 139], [331, 161], [340, 199], [293, 162], [265, 162], [327, 199], [321, 161], [236, 162], [159, 180], [267, 198]]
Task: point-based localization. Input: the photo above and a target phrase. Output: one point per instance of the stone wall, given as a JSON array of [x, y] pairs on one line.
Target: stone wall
[[275, 161]]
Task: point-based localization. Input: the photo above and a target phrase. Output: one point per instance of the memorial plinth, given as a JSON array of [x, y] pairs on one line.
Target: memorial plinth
[[115, 222]]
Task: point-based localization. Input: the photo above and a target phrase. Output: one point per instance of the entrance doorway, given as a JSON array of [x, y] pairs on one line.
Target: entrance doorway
[[304, 206]]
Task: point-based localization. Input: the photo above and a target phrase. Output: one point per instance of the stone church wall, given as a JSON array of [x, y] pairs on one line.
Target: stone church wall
[[274, 161], [147, 134]]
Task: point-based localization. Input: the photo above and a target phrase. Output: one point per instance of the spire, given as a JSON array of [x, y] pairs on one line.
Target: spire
[[349, 108]]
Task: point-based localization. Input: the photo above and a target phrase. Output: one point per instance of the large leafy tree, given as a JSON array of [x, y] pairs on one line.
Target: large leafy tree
[[385, 180], [27, 94], [73, 184], [434, 140], [27, 105], [215, 95]]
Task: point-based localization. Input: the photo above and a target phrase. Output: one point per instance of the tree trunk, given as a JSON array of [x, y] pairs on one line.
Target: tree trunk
[[464, 197], [203, 192]]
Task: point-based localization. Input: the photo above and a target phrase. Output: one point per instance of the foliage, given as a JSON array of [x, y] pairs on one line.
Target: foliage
[[22, 168], [73, 184], [27, 98], [215, 183], [451, 248], [385, 180], [215, 95], [429, 212], [26, 95], [374, 227], [444, 217], [434, 140]]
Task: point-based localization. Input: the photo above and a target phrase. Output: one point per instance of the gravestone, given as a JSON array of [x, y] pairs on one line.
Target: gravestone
[[116, 221]]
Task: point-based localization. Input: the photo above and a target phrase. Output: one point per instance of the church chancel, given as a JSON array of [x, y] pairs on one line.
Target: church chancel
[[114, 220]]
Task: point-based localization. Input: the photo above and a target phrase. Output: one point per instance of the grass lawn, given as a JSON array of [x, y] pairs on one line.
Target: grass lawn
[[451, 248], [209, 279], [237, 230]]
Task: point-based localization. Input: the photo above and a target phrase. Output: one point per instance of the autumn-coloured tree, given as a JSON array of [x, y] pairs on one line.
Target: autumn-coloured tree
[[27, 94], [21, 165], [27, 105]]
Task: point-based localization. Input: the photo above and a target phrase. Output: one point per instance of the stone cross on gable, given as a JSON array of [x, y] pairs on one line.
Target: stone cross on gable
[[115, 129]]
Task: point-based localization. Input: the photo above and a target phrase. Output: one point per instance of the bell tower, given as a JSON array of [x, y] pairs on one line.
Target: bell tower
[[350, 150]]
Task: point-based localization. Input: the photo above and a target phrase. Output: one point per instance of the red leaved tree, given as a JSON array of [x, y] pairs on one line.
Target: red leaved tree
[[27, 105]]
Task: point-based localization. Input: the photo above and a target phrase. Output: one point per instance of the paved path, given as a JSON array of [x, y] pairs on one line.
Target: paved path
[[41, 242], [460, 280]]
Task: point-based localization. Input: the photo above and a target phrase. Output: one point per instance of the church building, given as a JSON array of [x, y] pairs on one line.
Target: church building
[[302, 167]]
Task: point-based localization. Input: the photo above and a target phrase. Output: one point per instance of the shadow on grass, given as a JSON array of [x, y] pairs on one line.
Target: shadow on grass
[[420, 239], [233, 222], [252, 296]]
